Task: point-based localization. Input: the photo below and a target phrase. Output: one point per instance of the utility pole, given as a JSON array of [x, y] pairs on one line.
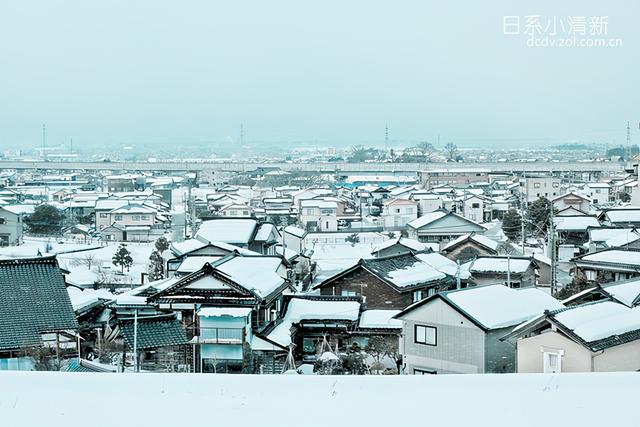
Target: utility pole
[[508, 270], [135, 340], [552, 251], [522, 231], [457, 274]]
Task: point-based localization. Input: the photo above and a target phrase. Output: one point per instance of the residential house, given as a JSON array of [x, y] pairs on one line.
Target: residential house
[[397, 213], [428, 202], [392, 282], [35, 311], [534, 187], [11, 225], [402, 245], [247, 233], [598, 336], [598, 192], [609, 265], [470, 246], [441, 226], [514, 272], [574, 201], [460, 331], [319, 215], [224, 304], [620, 217]]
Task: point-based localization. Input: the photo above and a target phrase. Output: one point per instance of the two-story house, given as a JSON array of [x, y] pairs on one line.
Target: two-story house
[[397, 213], [460, 331]]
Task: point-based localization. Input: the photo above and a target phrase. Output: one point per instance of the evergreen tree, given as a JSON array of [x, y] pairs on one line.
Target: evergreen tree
[[45, 219], [538, 214], [353, 239], [156, 266], [512, 224], [162, 244], [122, 258]]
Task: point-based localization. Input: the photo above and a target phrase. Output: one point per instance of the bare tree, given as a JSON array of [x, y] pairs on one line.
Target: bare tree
[[427, 150], [451, 150]]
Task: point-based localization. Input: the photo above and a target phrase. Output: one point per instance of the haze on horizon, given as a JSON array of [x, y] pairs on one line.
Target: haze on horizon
[[333, 73]]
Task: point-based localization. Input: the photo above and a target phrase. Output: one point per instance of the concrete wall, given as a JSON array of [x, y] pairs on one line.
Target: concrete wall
[[576, 358], [625, 357], [460, 343]]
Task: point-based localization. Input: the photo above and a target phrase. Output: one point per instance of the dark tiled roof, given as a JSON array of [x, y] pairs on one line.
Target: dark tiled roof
[[384, 267], [154, 331], [33, 299], [614, 340]]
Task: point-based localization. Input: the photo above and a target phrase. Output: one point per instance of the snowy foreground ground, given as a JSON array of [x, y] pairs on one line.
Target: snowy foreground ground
[[74, 399]]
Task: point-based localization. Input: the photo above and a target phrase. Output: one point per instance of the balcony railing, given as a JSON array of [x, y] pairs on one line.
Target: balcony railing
[[212, 335]]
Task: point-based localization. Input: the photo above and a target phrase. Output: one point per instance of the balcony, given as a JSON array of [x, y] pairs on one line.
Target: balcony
[[213, 335]]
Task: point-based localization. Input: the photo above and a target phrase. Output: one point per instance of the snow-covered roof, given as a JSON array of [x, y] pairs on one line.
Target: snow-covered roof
[[232, 230], [379, 319], [605, 233], [613, 256], [224, 311], [256, 273], [442, 263], [626, 292], [311, 309], [20, 209], [81, 298], [295, 231], [131, 297], [593, 322], [478, 238], [195, 263], [622, 239], [497, 265], [498, 306], [427, 219], [265, 231], [411, 244], [575, 223], [624, 215]]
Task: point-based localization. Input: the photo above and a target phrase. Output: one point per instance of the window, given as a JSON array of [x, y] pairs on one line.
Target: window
[[397, 210], [425, 335], [552, 362], [348, 293], [3, 221], [136, 217], [103, 215], [536, 185], [118, 217], [475, 205], [418, 371], [145, 217], [416, 296]]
